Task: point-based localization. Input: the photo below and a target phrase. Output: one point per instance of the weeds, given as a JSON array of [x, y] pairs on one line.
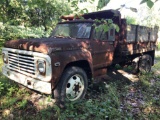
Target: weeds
[[112, 99]]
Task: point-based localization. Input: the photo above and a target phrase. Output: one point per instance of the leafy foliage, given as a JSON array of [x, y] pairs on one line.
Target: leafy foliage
[[102, 3], [149, 3], [9, 32], [105, 25], [131, 20], [30, 18], [150, 19], [32, 12]]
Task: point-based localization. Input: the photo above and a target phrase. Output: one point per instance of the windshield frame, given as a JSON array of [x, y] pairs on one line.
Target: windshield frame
[[74, 22]]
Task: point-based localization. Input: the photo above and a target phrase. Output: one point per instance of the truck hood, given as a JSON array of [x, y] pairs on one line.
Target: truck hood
[[47, 45]]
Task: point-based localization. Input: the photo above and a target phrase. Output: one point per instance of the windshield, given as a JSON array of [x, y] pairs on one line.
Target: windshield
[[73, 30]]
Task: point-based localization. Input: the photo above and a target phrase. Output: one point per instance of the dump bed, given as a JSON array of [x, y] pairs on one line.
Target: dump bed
[[137, 39]]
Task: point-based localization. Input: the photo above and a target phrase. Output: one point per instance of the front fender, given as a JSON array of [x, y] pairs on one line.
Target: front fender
[[62, 59]]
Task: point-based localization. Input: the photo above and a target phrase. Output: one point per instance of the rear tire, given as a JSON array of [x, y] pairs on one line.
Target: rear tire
[[72, 86], [135, 65], [145, 64]]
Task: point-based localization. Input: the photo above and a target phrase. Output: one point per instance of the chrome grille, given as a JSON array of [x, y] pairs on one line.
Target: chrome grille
[[21, 63]]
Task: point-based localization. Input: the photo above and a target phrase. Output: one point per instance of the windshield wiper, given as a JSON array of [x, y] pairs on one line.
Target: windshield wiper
[[68, 37], [59, 36]]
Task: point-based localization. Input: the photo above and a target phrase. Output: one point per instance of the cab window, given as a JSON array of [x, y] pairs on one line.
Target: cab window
[[100, 34]]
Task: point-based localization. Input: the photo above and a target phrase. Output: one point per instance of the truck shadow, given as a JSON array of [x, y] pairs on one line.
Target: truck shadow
[[119, 77]]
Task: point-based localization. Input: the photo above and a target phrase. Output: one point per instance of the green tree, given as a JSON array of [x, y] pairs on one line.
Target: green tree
[[33, 12], [131, 20], [148, 17]]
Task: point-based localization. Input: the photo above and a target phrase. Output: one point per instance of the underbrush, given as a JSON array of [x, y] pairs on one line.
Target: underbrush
[[10, 32], [112, 99]]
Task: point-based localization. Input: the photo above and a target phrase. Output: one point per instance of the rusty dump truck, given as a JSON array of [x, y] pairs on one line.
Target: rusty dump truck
[[76, 53]]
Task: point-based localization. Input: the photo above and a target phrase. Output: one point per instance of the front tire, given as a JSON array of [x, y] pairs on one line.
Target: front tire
[[72, 85]]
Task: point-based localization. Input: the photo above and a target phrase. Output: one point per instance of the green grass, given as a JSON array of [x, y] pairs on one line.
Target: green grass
[[158, 46], [116, 99], [156, 67]]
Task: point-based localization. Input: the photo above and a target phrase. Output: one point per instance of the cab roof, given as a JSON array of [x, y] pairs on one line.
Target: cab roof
[[105, 14]]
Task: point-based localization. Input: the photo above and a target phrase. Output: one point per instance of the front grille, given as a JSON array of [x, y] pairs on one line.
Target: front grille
[[21, 63]]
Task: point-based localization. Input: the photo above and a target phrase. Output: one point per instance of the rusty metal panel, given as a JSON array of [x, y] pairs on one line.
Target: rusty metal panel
[[131, 33], [153, 34], [100, 72], [142, 34]]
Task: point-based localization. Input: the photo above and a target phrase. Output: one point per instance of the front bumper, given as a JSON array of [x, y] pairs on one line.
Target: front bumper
[[32, 83], [21, 67]]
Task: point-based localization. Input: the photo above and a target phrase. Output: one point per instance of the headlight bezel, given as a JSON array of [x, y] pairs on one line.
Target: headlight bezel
[[5, 58], [41, 64]]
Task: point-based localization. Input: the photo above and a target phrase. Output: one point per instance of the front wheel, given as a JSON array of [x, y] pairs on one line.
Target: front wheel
[[72, 85]]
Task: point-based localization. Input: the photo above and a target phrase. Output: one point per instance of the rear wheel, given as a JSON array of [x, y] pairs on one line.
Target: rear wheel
[[134, 65], [145, 64], [72, 85]]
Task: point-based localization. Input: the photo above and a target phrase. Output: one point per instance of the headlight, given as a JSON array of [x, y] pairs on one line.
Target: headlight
[[5, 58], [42, 67]]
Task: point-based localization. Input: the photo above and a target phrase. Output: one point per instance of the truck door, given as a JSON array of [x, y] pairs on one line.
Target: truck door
[[102, 47]]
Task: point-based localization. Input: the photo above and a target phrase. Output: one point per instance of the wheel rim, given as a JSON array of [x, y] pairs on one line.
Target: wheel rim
[[75, 87]]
